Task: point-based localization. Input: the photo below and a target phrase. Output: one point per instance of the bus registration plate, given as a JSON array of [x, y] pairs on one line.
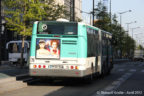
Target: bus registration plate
[[55, 66]]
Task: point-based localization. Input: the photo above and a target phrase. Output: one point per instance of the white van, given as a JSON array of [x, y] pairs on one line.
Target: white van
[[14, 50], [138, 55]]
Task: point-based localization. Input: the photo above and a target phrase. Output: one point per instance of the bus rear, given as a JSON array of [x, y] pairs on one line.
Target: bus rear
[[58, 49]]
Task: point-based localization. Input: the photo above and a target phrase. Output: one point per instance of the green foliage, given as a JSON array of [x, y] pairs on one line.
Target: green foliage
[[140, 47], [102, 16], [121, 41], [20, 14]]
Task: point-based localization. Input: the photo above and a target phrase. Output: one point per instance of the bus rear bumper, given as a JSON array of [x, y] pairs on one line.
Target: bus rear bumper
[[59, 73]]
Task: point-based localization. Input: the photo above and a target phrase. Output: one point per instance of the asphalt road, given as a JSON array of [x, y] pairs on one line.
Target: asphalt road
[[126, 79]]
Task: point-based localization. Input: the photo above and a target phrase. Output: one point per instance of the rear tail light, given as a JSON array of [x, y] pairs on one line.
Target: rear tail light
[[72, 67], [44, 66], [39, 66], [35, 66], [76, 67]]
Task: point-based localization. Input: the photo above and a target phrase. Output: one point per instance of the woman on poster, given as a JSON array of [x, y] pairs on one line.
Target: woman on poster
[[54, 50]]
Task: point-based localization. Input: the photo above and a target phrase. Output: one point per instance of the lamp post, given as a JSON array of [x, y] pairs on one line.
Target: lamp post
[[0, 34], [128, 26], [133, 30], [93, 12], [110, 12], [89, 13], [121, 16], [139, 36], [121, 27], [72, 10]]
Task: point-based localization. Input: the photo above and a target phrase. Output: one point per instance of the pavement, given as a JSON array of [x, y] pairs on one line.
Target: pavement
[[8, 77], [10, 70]]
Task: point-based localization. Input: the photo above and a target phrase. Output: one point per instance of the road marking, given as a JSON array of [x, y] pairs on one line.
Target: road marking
[[132, 70], [121, 79], [109, 90], [142, 71], [120, 69], [140, 65]]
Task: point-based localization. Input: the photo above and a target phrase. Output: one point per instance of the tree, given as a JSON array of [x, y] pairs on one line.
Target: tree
[[103, 21], [140, 47], [120, 40], [20, 14]]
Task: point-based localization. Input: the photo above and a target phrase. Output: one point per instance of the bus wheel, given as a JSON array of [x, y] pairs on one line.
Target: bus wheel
[[88, 79], [109, 72], [103, 71]]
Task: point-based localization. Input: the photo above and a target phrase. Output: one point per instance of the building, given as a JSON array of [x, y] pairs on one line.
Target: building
[[78, 7], [61, 2]]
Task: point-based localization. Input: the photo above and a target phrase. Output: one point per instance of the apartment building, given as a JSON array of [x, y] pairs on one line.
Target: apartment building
[[78, 7]]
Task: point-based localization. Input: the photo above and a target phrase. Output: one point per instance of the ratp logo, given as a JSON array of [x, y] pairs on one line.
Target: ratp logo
[[44, 27]]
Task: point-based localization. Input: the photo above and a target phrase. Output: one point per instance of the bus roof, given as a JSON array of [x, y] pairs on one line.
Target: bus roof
[[78, 23], [95, 28]]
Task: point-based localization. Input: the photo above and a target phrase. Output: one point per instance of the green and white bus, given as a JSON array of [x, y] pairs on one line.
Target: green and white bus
[[69, 49]]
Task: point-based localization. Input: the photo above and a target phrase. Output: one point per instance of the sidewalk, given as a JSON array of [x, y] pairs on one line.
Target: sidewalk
[[9, 70], [8, 77]]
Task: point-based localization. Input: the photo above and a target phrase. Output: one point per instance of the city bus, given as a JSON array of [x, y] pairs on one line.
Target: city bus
[[69, 49]]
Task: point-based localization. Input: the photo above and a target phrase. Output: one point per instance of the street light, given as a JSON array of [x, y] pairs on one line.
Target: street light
[[89, 13], [0, 36], [93, 12], [134, 29], [128, 26], [139, 37], [121, 16]]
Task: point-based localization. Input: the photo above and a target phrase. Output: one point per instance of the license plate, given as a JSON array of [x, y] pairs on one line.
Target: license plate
[[55, 67]]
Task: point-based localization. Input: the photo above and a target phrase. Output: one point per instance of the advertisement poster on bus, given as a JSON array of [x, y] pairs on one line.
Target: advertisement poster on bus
[[47, 48]]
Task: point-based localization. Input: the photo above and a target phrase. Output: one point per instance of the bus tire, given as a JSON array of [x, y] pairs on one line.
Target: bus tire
[[109, 71], [88, 79], [103, 73]]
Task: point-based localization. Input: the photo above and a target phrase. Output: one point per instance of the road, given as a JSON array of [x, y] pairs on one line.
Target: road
[[126, 79]]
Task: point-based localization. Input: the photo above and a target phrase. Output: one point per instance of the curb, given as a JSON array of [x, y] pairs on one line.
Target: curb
[[5, 62]]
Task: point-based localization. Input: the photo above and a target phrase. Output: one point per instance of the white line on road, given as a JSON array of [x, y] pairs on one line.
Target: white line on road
[[132, 70], [140, 65], [120, 69], [142, 71], [109, 90]]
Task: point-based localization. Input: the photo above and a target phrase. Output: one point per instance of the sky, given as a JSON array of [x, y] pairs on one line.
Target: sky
[[117, 6]]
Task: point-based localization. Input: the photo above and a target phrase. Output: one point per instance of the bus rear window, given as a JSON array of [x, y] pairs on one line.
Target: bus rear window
[[62, 28]]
